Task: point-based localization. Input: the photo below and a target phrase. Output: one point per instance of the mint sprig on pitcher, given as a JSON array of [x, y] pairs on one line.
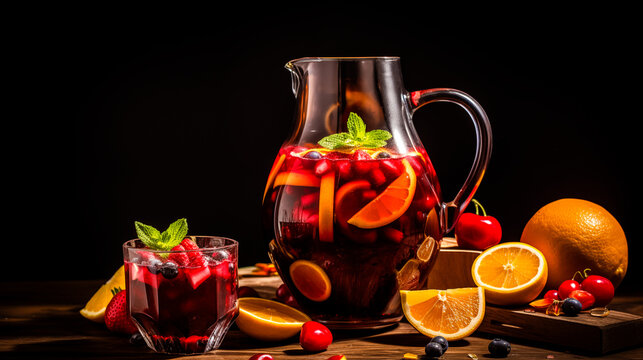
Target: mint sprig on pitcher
[[165, 240], [357, 136]]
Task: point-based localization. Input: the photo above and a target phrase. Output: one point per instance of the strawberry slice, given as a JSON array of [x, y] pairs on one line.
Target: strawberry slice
[[196, 276]]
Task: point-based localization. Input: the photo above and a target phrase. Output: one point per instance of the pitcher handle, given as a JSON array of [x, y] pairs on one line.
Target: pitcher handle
[[451, 211]]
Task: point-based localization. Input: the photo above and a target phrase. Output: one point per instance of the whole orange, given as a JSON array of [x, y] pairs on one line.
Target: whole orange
[[575, 235]]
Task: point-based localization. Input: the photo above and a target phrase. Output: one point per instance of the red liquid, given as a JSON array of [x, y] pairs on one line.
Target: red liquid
[[362, 264], [181, 314]]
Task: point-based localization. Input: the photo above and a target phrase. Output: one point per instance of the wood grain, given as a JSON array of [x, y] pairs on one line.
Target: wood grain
[[40, 320]]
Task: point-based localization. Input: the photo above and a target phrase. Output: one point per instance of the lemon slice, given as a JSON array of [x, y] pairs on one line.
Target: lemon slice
[[269, 320], [94, 310], [452, 313]]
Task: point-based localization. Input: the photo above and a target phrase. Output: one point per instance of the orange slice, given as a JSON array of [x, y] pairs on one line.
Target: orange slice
[[326, 197], [310, 279], [296, 179], [452, 313], [273, 173], [94, 310], [390, 204], [511, 273], [269, 320]]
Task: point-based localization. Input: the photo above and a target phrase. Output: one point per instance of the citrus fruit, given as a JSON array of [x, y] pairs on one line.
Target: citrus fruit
[[269, 320], [326, 196], [310, 279], [94, 310], [295, 178], [273, 173], [574, 235], [390, 204], [511, 273], [348, 200], [452, 313]]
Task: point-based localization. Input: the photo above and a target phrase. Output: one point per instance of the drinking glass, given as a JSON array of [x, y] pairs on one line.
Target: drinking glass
[[183, 302]]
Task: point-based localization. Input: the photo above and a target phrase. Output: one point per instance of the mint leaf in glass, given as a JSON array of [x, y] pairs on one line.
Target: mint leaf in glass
[[356, 136], [154, 239]]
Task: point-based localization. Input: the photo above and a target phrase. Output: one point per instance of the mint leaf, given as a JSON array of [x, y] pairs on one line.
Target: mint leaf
[[175, 233], [147, 234], [336, 141], [356, 126], [356, 136], [372, 144], [166, 240], [378, 135]]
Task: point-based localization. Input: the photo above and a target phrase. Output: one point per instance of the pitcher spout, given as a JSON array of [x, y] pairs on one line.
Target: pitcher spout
[[296, 75]]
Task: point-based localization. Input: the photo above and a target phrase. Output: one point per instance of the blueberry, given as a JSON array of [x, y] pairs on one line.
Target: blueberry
[[571, 306], [136, 339], [442, 341], [383, 155], [313, 155], [170, 270], [433, 349], [155, 266], [499, 347]]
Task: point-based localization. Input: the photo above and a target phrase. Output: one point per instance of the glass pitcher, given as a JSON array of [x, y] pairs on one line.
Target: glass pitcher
[[352, 209]]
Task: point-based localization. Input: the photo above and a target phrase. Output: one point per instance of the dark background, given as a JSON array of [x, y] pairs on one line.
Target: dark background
[[138, 116]]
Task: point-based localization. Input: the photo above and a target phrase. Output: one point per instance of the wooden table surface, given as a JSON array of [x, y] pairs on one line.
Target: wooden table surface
[[40, 320]]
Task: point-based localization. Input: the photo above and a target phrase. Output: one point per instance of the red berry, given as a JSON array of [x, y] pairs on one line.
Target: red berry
[[247, 291], [282, 292], [600, 287], [261, 357], [322, 167], [189, 244], [586, 299], [552, 294], [181, 258], [315, 336], [337, 357], [566, 287], [117, 318]]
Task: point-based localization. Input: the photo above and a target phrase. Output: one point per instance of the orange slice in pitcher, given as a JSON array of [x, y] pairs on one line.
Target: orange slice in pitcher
[[390, 204], [273, 173], [326, 200], [310, 279], [294, 178], [452, 313]]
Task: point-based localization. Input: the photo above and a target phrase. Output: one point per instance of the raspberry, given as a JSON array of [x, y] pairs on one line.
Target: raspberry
[[181, 258], [195, 257]]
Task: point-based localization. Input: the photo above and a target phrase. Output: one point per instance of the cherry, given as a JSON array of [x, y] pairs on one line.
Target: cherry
[[337, 357], [315, 336], [247, 291], [586, 299], [282, 292], [566, 287], [261, 357], [479, 232], [600, 287], [552, 294]]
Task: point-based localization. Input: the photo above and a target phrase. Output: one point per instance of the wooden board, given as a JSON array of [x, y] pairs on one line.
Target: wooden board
[[40, 320], [595, 335]]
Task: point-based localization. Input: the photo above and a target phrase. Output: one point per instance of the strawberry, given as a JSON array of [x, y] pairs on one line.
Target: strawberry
[[117, 318]]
